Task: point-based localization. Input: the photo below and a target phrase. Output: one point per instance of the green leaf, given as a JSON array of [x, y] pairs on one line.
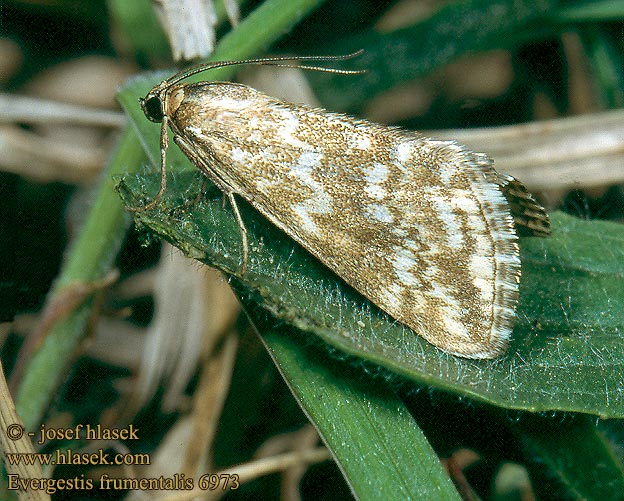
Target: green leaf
[[138, 26], [567, 348], [592, 10], [374, 439], [582, 468], [459, 28]]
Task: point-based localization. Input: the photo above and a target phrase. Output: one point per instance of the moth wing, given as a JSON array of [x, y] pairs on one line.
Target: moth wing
[[420, 227], [436, 252]]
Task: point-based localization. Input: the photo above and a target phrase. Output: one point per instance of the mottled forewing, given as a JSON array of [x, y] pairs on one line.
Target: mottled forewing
[[420, 227]]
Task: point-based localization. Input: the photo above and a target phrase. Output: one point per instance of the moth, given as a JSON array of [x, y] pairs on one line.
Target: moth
[[424, 229]]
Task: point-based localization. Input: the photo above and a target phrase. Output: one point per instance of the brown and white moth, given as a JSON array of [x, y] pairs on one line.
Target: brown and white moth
[[425, 229]]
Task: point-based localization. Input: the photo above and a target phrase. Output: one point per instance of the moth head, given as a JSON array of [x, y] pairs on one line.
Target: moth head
[[157, 99], [152, 107]]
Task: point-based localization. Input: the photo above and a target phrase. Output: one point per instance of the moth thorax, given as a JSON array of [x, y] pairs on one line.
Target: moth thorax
[[175, 96]]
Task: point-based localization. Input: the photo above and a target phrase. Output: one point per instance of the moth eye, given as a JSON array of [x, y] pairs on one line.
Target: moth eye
[[152, 109]]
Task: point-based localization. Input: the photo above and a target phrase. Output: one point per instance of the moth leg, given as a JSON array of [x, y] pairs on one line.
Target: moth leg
[[228, 193], [202, 193], [202, 165], [164, 144], [242, 228]]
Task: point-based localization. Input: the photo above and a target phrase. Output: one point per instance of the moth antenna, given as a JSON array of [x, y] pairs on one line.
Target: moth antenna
[[268, 61], [318, 68]]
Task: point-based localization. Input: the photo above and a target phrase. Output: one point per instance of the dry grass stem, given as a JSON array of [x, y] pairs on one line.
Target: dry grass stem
[[48, 160], [193, 304], [33, 110], [258, 468], [208, 403], [190, 27], [11, 422], [576, 152]]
